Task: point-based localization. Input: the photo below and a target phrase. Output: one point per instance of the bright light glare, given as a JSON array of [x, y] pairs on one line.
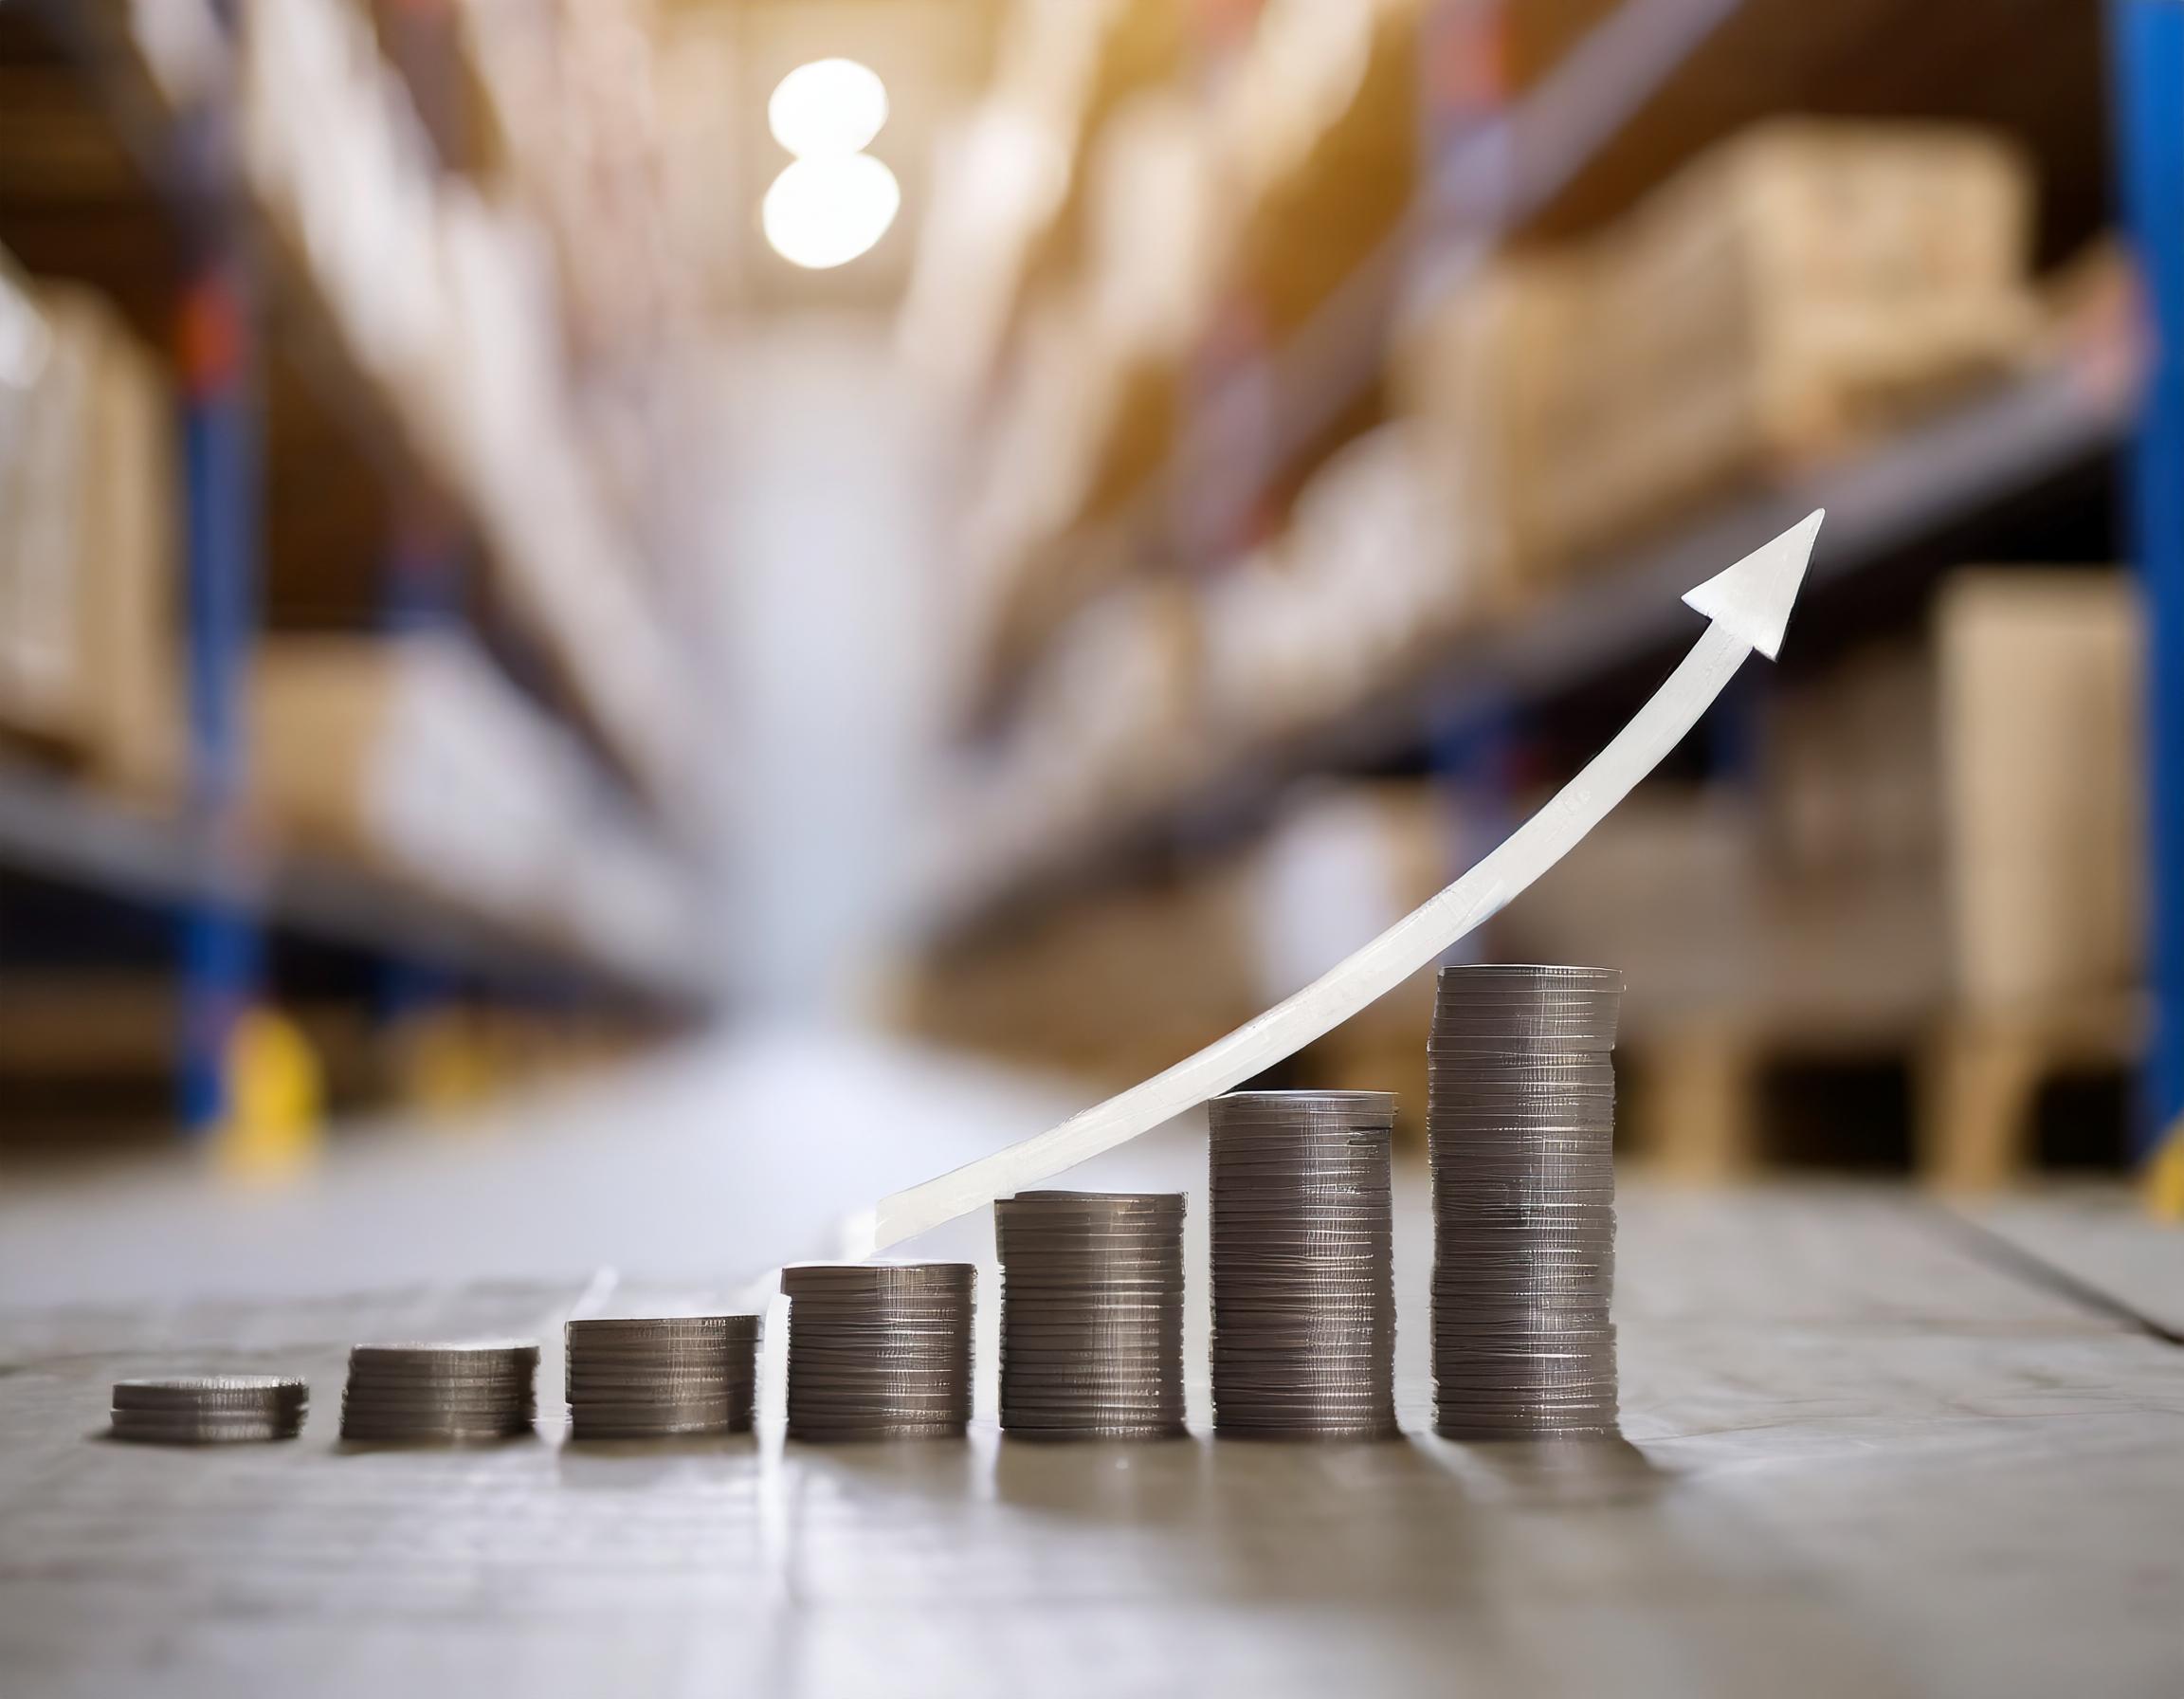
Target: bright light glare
[[828, 109], [825, 212]]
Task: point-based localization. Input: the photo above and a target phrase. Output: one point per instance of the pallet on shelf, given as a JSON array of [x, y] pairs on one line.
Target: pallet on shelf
[[1980, 1075], [1697, 1106]]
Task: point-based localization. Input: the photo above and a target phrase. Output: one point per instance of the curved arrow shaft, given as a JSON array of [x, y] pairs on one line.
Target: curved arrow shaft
[[1359, 978]]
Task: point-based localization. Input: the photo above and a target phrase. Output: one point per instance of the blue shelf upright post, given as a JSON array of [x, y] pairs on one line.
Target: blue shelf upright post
[[2147, 45], [219, 944]]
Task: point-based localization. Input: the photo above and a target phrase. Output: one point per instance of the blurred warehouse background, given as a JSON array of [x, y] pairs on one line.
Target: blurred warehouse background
[[534, 533]]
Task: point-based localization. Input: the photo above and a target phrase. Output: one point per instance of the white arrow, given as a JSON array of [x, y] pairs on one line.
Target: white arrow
[[1748, 607]]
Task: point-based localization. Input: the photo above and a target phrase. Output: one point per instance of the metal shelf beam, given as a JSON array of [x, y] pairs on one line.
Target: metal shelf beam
[[53, 828], [1626, 611]]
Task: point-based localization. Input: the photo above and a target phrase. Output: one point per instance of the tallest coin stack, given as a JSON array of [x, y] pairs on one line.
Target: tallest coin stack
[[1520, 1122]]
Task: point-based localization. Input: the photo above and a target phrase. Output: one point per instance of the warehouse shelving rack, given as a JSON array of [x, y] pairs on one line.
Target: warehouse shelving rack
[[2047, 429], [1659, 75], [242, 287]]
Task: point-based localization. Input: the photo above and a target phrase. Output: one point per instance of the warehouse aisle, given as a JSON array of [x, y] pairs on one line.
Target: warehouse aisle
[[714, 1162]]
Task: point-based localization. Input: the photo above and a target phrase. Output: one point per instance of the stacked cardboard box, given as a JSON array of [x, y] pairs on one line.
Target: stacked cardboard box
[[413, 756], [2038, 707], [1189, 222], [1009, 210], [571, 89], [1120, 984], [1362, 582], [88, 549], [1112, 989], [1798, 290], [1946, 825], [1323, 133], [443, 292], [1110, 731]]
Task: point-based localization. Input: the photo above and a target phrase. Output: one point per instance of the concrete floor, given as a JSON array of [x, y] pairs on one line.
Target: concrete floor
[[1872, 1449]]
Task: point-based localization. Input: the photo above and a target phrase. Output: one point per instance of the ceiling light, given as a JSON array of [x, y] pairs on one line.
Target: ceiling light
[[828, 109], [824, 212]]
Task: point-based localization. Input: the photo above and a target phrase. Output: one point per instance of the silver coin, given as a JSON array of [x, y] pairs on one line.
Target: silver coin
[[139, 1424], [433, 1434], [739, 1365], [196, 1390], [193, 1386], [722, 1410], [445, 1354], [1523, 972]]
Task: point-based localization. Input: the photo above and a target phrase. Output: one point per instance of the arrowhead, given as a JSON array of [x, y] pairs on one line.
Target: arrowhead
[[1754, 598]]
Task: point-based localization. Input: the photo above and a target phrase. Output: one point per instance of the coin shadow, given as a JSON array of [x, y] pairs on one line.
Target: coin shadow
[[1549, 1474], [1144, 1482], [945, 1472], [635, 1465], [107, 1436], [343, 1446], [1265, 1520]]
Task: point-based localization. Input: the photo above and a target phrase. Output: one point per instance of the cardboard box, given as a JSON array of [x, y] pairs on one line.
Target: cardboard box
[[89, 664], [414, 757], [1951, 824], [1801, 289], [1851, 768], [1325, 136], [2043, 771]]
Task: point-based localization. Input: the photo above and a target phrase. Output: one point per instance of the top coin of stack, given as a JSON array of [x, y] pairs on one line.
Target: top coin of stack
[[1520, 1121], [646, 1378], [879, 1350], [210, 1409], [1091, 1314], [1304, 1281], [446, 1394]]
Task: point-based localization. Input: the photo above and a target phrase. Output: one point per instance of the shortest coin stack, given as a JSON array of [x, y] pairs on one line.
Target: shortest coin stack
[[650, 1378], [879, 1350], [439, 1394], [210, 1409]]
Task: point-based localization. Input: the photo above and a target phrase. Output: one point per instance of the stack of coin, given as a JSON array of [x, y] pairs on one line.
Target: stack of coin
[[210, 1409], [647, 1377], [1091, 1314], [445, 1393], [879, 1350], [1304, 1286], [1521, 1120]]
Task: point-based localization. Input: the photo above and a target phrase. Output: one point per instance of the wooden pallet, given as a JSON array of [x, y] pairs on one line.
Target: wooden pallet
[[1693, 1109]]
